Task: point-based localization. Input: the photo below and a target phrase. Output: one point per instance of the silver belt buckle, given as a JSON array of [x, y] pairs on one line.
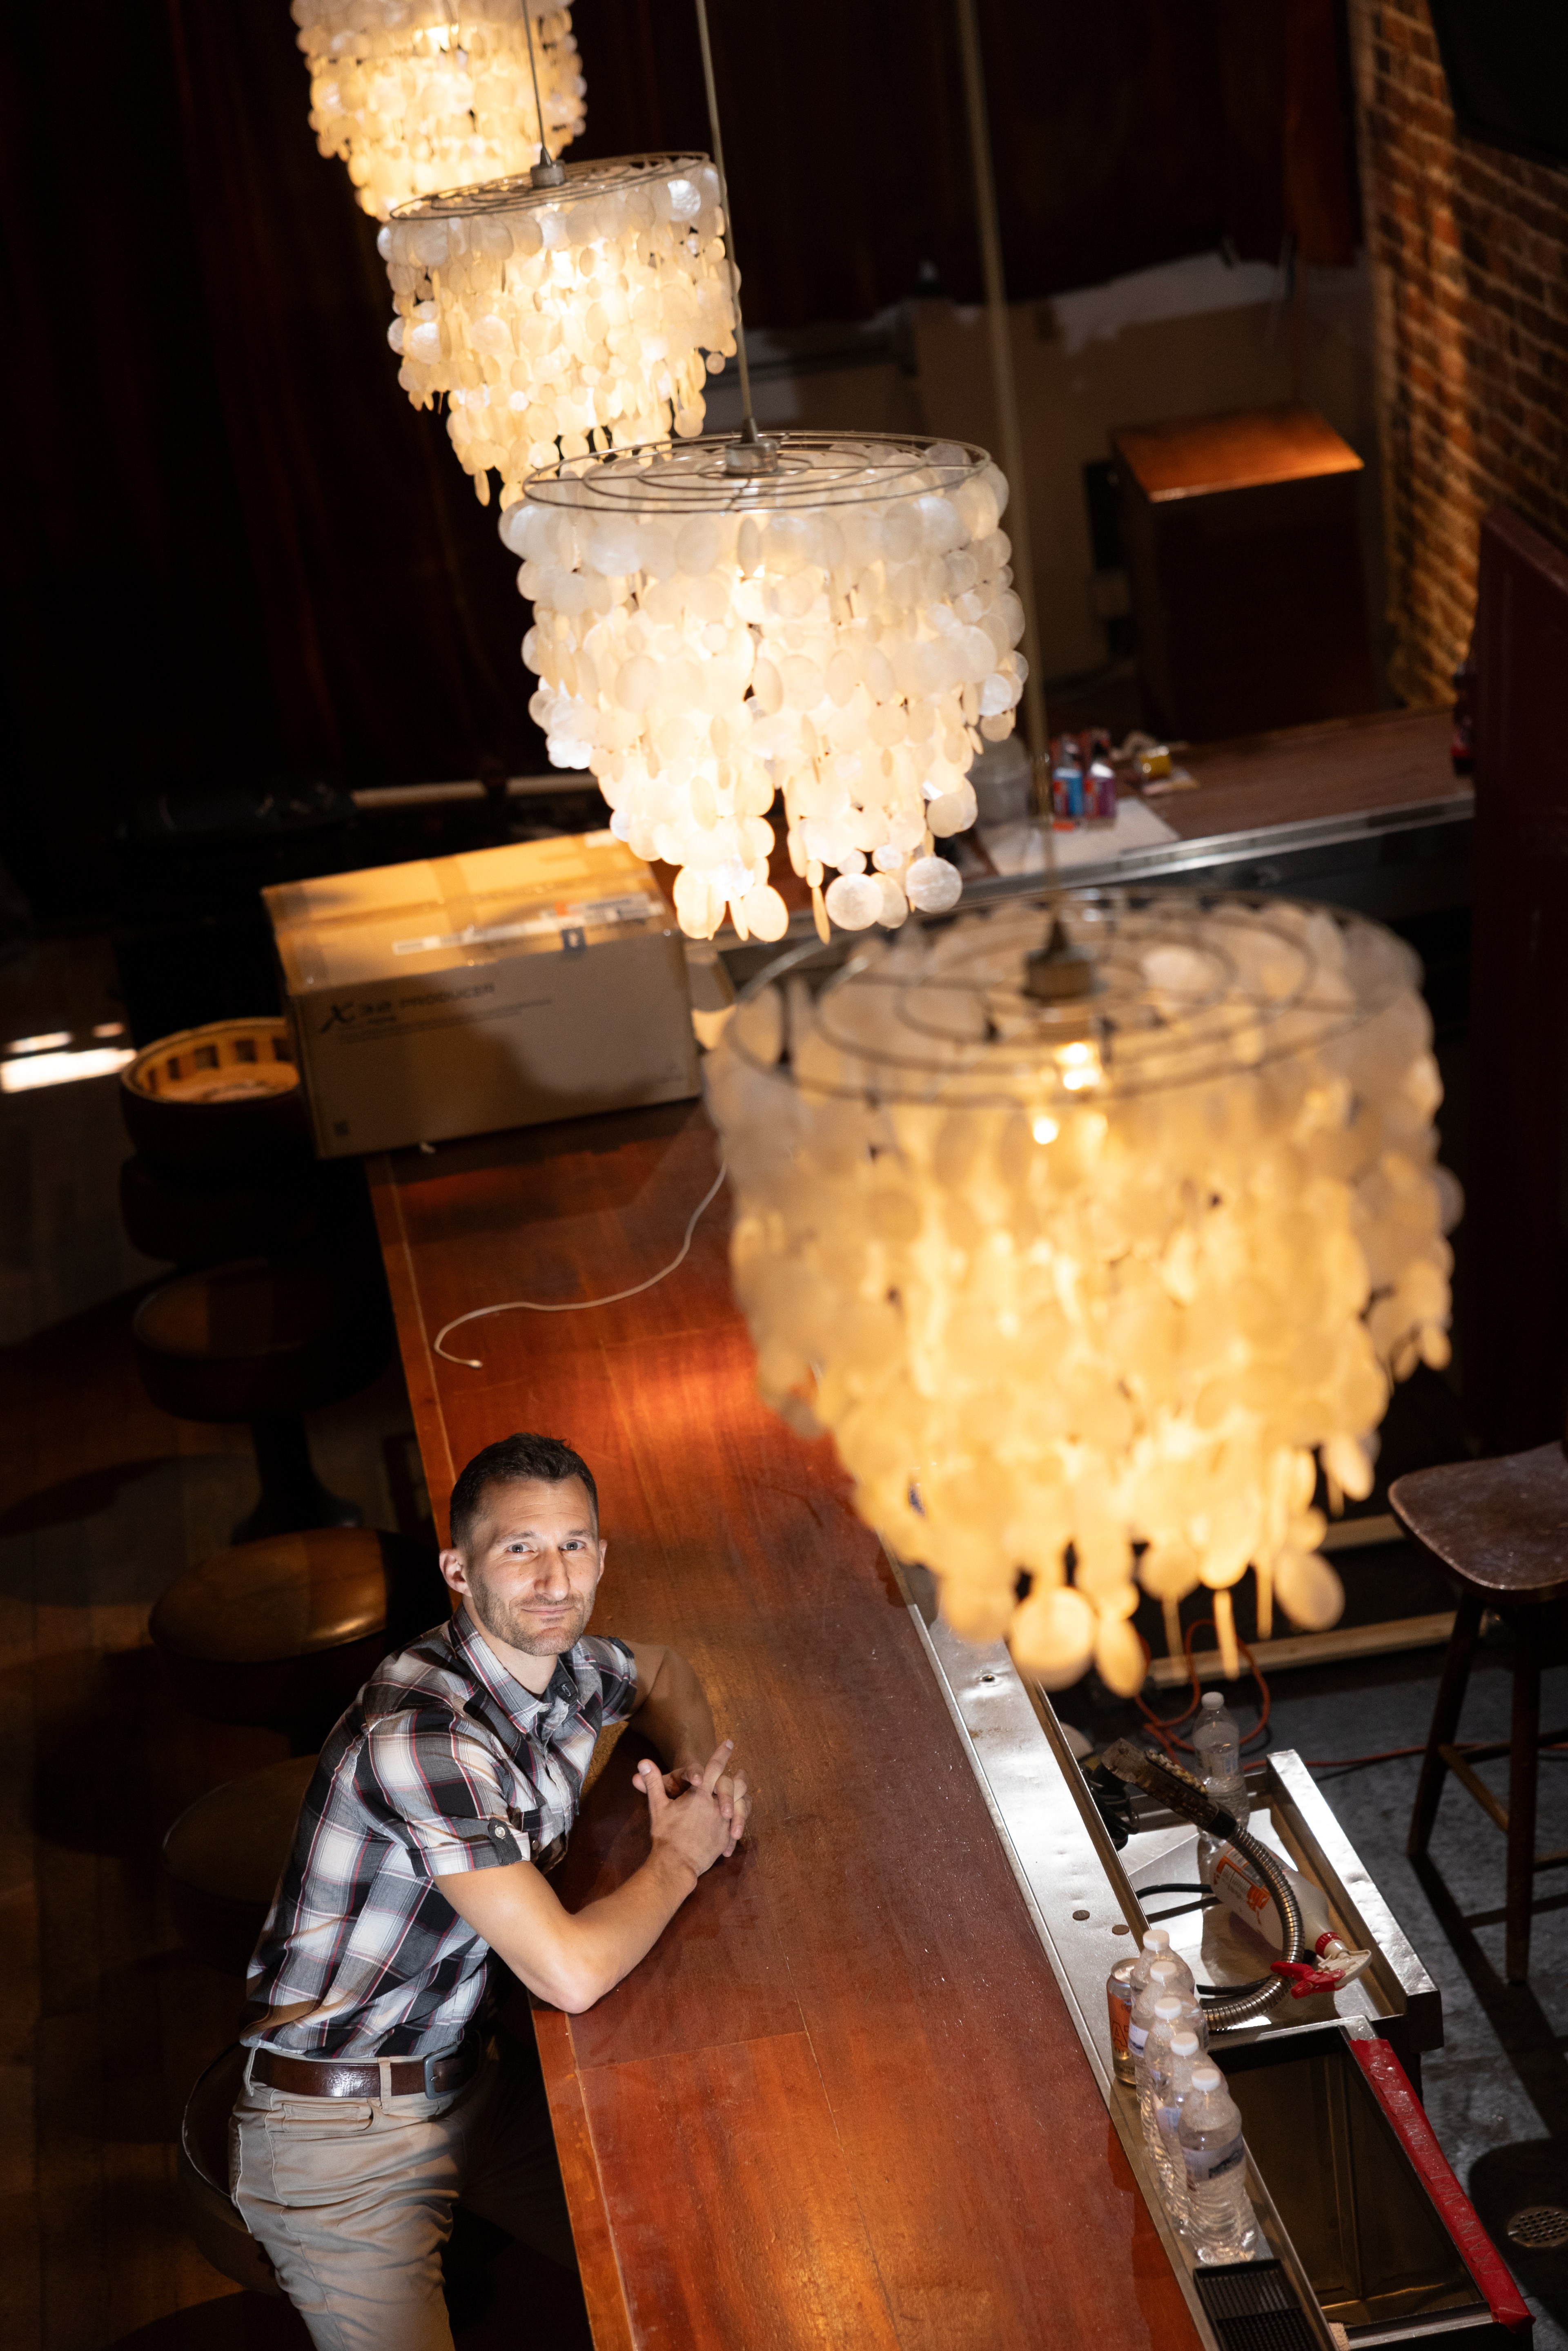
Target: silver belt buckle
[[441, 2057]]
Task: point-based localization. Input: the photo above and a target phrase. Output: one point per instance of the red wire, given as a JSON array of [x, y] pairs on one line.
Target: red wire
[[1347, 1762], [1390, 1754], [1164, 1727]]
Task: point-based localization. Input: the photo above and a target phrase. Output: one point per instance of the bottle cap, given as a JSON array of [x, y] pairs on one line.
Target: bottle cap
[[1157, 1939], [1167, 2007], [1206, 2078], [1184, 2045], [1165, 1971], [1213, 1700]]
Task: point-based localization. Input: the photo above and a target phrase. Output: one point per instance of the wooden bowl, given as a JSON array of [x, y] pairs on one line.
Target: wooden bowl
[[226, 1091]]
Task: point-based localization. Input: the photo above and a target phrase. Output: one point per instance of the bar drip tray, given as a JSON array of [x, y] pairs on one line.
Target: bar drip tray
[[1369, 2231], [1252, 2306]]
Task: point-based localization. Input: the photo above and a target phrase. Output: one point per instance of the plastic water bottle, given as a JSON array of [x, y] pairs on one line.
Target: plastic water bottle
[[1185, 2014], [1123, 1986], [1168, 1976], [1217, 1747], [1157, 1947], [1222, 2224], [1171, 2074], [1216, 1742], [1154, 2091]]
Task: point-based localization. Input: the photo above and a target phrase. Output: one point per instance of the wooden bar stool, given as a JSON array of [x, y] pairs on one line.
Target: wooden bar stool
[[223, 1858], [265, 1340], [1499, 1530], [190, 1215], [203, 2177], [283, 1631]]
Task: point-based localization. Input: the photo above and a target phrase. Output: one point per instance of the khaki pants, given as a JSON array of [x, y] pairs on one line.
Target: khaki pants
[[353, 2199]]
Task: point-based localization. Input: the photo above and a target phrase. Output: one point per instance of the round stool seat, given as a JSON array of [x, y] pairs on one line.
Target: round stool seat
[[224, 1855], [255, 1337], [188, 1218], [202, 2172], [286, 1629], [227, 1093], [1495, 1526]]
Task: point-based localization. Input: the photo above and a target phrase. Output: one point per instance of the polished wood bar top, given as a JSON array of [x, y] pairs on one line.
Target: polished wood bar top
[[842, 2102], [1371, 766], [1192, 457]]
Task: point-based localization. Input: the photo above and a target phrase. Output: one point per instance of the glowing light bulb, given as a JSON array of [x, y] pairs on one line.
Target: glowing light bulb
[[1080, 1066]]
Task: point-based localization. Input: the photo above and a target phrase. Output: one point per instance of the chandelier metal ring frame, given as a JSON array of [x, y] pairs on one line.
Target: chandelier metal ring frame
[[611, 175], [814, 470], [1154, 1036]]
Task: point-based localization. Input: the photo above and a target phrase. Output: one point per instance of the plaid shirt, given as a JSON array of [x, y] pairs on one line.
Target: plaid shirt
[[442, 1764]]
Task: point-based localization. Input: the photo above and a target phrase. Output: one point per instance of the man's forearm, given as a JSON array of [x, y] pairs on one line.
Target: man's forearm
[[609, 1937], [571, 1957], [676, 1716]]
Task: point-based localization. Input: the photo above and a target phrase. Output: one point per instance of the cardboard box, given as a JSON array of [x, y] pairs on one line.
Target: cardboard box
[[463, 994]]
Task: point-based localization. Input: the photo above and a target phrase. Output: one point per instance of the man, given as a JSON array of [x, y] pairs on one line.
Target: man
[[373, 2097]]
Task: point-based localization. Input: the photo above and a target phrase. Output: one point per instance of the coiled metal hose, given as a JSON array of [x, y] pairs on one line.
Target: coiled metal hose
[[1194, 1803]]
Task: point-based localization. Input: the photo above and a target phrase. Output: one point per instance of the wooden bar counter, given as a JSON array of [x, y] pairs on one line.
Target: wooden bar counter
[[842, 2102]]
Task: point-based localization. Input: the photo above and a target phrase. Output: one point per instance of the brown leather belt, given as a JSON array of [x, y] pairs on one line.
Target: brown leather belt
[[335, 2078]]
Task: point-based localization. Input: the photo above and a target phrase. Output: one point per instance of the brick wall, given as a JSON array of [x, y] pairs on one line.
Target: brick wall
[[1469, 250]]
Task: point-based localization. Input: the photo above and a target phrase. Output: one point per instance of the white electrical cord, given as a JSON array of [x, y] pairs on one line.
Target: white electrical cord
[[577, 1305]]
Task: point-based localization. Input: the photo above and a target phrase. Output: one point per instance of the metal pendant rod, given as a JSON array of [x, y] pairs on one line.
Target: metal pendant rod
[[748, 421], [1017, 518], [546, 172]]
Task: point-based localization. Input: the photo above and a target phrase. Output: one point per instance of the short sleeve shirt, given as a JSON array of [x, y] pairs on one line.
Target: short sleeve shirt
[[444, 1762]]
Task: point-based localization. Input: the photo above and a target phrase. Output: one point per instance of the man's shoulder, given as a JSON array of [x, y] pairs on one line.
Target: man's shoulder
[[606, 1655], [427, 1682]]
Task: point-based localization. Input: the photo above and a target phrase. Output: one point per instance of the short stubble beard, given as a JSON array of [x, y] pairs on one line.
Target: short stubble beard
[[512, 1624]]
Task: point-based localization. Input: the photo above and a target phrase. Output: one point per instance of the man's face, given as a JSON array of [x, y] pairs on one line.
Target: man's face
[[532, 1566]]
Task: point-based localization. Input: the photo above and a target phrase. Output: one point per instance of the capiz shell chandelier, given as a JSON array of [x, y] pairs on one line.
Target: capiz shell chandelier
[[417, 95], [827, 617], [1089, 1253], [550, 313]]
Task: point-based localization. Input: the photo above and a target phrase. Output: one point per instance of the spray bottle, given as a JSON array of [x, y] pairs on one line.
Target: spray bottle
[[1241, 1890]]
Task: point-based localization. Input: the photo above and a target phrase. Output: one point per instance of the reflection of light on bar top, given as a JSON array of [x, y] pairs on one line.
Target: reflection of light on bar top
[[57, 1036], [638, 909], [34, 1069]]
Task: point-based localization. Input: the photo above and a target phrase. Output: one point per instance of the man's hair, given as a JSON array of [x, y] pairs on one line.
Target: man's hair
[[548, 1458]]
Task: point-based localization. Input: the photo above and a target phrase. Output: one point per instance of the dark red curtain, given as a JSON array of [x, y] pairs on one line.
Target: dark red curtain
[[1125, 134], [229, 548]]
